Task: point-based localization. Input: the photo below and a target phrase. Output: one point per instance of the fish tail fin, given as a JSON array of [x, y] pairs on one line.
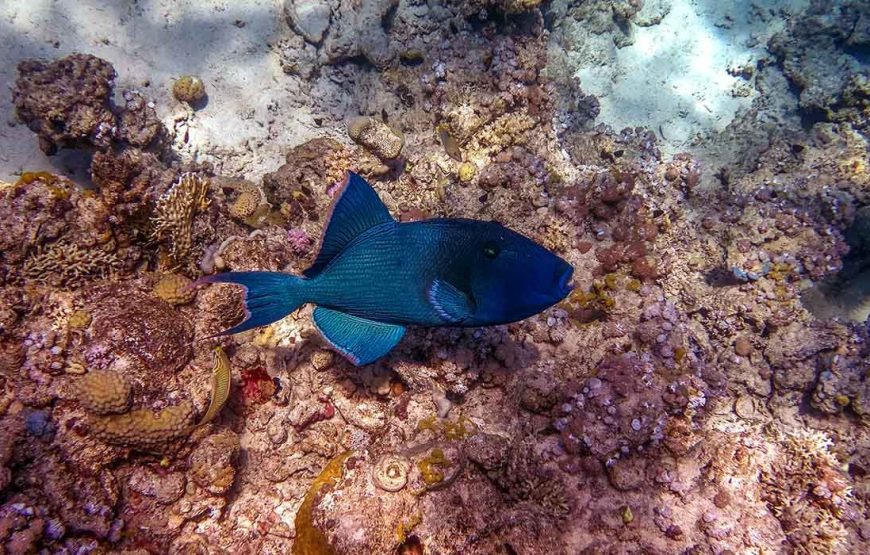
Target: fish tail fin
[[269, 296]]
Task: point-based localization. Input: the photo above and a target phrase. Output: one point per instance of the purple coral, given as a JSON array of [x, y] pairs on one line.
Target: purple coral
[[300, 241]]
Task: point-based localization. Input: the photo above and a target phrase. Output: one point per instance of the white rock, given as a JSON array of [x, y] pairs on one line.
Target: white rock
[[309, 17]]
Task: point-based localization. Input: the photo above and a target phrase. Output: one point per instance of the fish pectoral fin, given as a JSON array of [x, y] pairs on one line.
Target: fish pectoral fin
[[450, 302], [361, 341]]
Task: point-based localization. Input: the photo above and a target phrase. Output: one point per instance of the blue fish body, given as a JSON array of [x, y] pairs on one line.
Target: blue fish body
[[373, 276]]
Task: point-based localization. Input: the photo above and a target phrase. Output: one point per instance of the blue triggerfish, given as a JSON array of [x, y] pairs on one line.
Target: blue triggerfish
[[373, 276]]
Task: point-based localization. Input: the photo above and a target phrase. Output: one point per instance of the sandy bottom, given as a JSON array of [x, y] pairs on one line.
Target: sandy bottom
[[253, 109]]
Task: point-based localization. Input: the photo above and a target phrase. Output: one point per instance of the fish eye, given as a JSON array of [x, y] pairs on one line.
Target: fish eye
[[490, 250]]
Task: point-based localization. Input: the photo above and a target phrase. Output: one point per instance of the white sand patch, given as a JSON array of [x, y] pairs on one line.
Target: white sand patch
[[675, 78], [254, 110]]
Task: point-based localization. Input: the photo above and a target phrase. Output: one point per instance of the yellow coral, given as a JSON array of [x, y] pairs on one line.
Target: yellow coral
[[145, 429], [245, 205], [310, 540], [174, 289], [173, 216], [430, 467], [79, 319], [466, 172], [188, 88], [103, 392]]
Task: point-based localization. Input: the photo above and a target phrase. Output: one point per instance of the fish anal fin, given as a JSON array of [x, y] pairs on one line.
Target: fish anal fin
[[361, 341]]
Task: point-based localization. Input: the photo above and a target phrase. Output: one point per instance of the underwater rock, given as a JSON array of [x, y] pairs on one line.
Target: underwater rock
[[818, 59], [66, 102], [212, 463], [357, 30], [299, 184], [138, 124], [165, 488], [376, 136], [309, 17]]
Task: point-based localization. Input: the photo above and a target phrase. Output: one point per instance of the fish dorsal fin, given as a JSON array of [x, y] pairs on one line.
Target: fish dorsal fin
[[451, 304], [361, 341], [356, 209]]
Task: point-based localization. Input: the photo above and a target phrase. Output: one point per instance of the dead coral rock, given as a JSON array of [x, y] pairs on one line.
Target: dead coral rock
[[356, 29], [626, 406], [539, 392], [213, 462], [795, 343], [66, 102], [84, 501], [129, 179], [627, 474], [164, 487], [300, 184], [138, 124], [490, 451], [376, 136], [817, 59], [309, 17]]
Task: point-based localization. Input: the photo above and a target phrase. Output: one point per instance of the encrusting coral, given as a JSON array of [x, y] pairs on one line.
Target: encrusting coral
[[145, 429], [103, 392], [175, 289]]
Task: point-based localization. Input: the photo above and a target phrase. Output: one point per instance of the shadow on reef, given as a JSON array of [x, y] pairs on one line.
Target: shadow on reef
[[847, 294]]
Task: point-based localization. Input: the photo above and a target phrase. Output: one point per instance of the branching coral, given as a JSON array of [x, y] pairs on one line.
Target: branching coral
[[173, 215], [65, 263], [806, 490]]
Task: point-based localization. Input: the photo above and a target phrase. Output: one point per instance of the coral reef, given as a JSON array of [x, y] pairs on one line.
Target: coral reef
[[692, 395]]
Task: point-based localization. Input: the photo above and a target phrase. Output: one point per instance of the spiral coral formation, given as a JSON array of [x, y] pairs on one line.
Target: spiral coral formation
[[390, 473]]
